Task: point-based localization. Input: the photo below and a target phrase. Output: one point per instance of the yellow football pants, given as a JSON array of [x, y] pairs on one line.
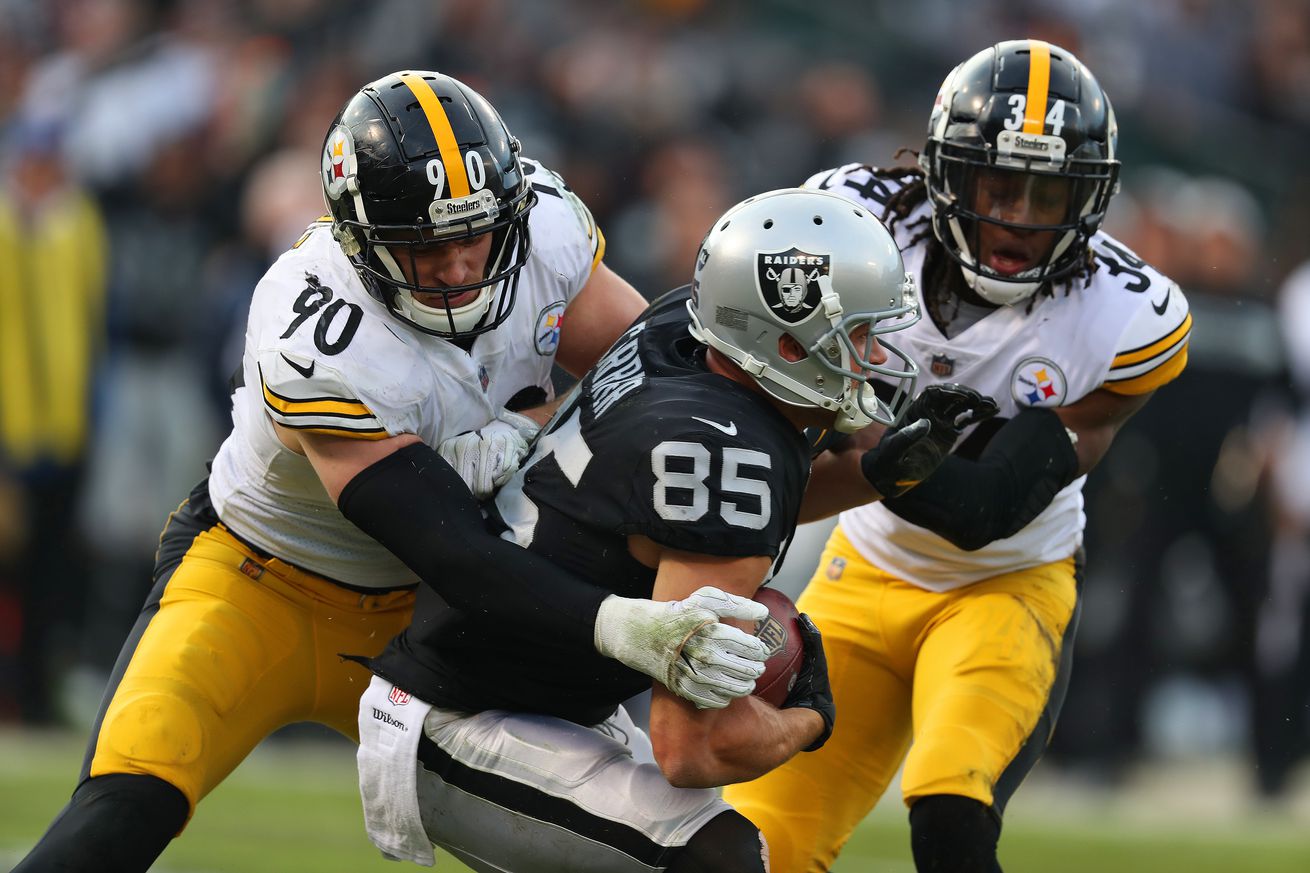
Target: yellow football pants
[[240, 647], [966, 676]]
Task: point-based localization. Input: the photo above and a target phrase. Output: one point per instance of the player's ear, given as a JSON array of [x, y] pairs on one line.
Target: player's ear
[[790, 349]]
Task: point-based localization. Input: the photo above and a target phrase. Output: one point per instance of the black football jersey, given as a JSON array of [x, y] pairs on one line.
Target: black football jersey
[[650, 442]]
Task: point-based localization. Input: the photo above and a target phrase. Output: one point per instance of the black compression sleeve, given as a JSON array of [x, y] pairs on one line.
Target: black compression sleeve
[[972, 503], [413, 503]]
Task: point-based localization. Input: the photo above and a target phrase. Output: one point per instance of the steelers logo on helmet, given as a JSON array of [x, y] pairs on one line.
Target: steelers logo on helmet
[[788, 282], [338, 161]]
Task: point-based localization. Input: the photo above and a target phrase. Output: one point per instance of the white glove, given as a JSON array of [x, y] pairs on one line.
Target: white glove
[[682, 645], [486, 458]]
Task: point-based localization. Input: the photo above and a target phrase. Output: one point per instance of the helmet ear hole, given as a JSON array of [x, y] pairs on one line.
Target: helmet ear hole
[[790, 349]]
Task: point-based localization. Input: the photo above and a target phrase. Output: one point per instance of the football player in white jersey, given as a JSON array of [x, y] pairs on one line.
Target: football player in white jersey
[[948, 612], [448, 279]]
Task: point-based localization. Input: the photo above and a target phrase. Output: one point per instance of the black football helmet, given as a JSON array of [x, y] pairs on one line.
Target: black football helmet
[[1031, 109], [418, 158]]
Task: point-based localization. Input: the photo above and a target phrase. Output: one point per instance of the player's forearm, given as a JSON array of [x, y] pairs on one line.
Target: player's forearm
[[836, 484], [742, 742], [973, 503], [417, 506]]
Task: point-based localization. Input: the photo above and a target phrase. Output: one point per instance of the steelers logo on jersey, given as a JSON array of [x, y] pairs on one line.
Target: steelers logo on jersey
[[788, 282], [546, 335], [338, 161], [1038, 381]]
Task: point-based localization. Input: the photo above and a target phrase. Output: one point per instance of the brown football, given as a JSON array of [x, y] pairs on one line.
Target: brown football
[[782, 634]]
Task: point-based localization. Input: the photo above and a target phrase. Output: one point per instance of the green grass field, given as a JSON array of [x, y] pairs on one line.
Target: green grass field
[[293, 807]]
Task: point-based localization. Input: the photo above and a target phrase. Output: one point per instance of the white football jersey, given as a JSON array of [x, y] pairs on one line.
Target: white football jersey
[[1126, 331], [323, 354]]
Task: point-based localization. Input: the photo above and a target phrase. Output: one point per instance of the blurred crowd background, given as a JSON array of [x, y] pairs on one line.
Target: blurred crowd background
[[157, 155]]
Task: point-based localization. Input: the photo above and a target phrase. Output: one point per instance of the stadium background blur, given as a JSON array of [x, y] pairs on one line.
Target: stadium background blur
[[157, 155]]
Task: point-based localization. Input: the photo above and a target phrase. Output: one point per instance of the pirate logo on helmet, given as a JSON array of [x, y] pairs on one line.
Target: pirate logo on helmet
[[789, 282]]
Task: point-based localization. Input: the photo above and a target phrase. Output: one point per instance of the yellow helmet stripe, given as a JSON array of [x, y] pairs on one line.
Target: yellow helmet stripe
[[1039, 84], [446, 142]]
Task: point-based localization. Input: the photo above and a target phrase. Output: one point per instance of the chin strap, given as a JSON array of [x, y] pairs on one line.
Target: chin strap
[[997, 292]]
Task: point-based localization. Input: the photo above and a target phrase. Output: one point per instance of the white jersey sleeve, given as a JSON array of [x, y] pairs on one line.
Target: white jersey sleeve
[[1153, 348], [565, 236]]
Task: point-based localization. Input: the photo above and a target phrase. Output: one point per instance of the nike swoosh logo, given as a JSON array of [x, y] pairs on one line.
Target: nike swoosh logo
[[307, 372], [730, 428], [1164, 304]]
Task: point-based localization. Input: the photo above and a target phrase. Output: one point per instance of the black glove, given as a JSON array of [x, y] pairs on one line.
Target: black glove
[[811, 689], [908, 455], [951, 408]]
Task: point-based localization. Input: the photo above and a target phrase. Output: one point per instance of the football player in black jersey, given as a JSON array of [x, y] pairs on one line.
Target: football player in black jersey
[[680, 457]]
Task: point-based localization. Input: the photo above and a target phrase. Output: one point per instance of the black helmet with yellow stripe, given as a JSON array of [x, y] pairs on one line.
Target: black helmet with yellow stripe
[[1022, 138], [416, 160]]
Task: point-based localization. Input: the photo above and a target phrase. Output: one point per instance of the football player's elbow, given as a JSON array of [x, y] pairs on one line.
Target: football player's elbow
[[685, 764], [688, 773]]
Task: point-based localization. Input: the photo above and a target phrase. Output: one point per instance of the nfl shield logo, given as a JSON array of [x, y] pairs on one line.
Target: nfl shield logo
[[836, 567], [398, 697], [772, 634], [788, 282], [942, 365]]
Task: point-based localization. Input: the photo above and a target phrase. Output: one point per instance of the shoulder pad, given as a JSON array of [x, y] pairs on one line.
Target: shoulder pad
[[561, 222], [858, 183], [324, 221], [1152, 350], [325, 353]]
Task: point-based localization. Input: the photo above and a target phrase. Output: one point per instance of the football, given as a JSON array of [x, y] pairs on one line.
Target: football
[[782, 634]]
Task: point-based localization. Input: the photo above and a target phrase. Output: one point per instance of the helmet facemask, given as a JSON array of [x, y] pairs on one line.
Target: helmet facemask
[[848, 351], [1070, 199], [390, 254]]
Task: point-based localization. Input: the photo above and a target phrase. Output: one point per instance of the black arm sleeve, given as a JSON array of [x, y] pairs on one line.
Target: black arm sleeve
[[972, 503], [413, 503]]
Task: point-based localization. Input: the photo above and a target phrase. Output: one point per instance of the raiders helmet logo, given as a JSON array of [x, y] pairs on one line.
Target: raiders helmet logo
[[789, 282]]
